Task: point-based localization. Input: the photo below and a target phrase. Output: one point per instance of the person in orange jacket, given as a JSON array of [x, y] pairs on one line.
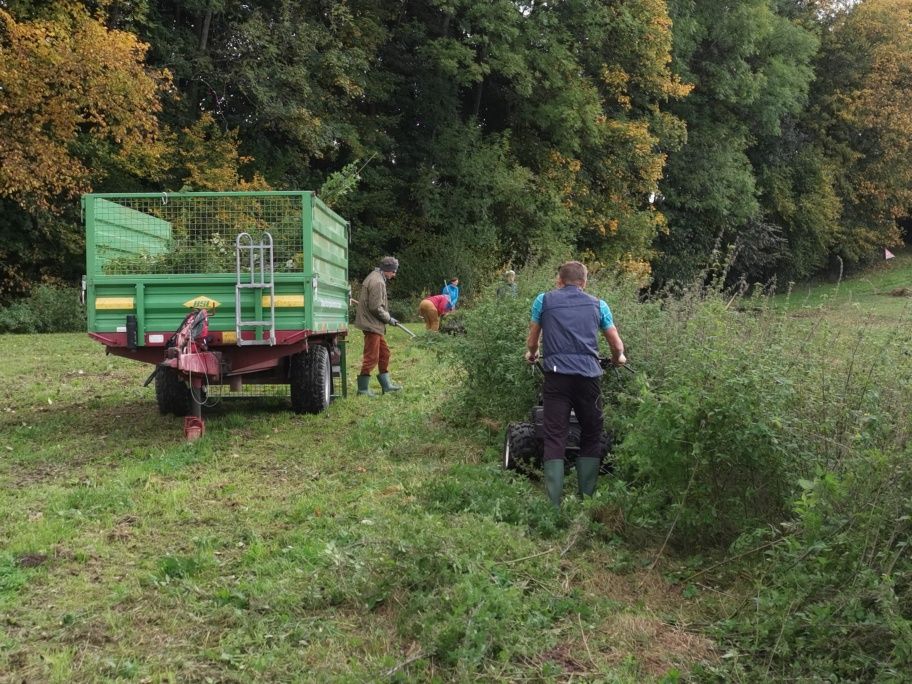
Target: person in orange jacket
[[433, 308]]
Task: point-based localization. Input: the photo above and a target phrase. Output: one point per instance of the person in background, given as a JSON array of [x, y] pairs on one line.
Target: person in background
[[372, 316], [508, 287], [433, 308], [451, 290], [568, 322]]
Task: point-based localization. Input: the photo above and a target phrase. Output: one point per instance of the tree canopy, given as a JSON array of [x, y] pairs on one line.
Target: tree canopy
[[639, 134]]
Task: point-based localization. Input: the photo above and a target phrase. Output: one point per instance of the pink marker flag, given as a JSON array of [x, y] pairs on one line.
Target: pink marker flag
[[888, 254]]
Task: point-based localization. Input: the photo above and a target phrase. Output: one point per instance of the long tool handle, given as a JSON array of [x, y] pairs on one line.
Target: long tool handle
[[411, 334]]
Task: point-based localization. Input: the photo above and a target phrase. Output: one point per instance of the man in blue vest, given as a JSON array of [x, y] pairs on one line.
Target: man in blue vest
[[568, 322]]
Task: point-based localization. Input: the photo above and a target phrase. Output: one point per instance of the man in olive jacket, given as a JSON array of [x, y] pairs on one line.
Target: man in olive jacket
[[372, 316]]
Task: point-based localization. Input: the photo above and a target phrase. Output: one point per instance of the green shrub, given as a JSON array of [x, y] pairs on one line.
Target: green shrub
[[833, 599], [736, 400], [498, 382], [48, 309], [712, 435], [404, 309]]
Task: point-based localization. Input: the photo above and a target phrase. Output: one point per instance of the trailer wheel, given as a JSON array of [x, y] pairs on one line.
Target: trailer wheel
[[311, 380], [522, 450], [171, 393]]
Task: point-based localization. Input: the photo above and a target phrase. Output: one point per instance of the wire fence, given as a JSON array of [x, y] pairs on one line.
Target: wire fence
[[191, 234]]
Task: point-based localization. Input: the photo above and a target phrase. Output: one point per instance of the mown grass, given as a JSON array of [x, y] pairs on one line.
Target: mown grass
[[373, 542], [879, 295]]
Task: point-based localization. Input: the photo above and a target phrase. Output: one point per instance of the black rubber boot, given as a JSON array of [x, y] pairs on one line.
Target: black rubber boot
[[364, 386], [587, 470], [387, 384], [554, 479]]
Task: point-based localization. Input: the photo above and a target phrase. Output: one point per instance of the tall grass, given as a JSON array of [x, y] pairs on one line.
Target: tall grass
[[752, 425]]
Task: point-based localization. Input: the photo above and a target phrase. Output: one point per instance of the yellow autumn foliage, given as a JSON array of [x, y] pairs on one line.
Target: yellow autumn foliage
[[64, 80]]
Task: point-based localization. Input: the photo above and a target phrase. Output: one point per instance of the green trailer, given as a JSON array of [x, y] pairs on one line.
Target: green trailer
[[221, 292]]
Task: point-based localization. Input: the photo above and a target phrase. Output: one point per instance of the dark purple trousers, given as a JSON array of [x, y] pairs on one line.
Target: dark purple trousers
[[562, 393]]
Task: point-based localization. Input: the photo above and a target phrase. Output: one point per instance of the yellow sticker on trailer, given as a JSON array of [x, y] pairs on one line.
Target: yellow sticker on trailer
[[202, 302], [113, 303], [285, 301]]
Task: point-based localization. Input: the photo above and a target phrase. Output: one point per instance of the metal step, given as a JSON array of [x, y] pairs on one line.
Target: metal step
[[258, 261]]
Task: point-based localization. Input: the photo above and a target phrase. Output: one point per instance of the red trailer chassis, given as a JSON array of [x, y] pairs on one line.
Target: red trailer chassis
[[200, 359]]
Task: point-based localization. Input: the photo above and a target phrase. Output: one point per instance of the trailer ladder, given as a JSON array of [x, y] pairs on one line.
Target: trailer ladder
[[259, 277]]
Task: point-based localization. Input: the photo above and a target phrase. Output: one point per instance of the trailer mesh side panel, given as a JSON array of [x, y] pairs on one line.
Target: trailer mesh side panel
[[193, 234]]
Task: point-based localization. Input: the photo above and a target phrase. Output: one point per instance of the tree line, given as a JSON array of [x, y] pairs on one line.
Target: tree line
[[464, 135]]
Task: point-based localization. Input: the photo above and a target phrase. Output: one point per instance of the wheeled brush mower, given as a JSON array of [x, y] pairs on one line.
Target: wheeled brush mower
[[523, 449]]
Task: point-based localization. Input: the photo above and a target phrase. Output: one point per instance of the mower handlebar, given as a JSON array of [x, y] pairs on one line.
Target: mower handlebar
[[605, 362]]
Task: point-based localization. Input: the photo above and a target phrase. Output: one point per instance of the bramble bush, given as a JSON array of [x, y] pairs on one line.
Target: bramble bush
[[711, 428], [752, 424], [48, 309], [707, 439], [832, 598], [497, 382]]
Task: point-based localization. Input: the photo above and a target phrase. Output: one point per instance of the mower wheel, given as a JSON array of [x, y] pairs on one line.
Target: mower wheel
[[522, 451], [171, 393], [607, 464], [310, 377]]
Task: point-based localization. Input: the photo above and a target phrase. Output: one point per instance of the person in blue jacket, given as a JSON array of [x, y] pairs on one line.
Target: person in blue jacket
[[451, 290], [568, 322]]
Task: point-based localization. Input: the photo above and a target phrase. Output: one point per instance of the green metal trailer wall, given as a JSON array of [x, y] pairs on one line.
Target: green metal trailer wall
[[155, 255]]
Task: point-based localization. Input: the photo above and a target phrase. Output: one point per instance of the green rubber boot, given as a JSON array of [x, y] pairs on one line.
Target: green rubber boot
[[554, 479], [387, 384], [587, 470], [364, 386]]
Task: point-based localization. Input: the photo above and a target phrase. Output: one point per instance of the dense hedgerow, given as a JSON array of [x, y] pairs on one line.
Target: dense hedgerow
[[709, 440], [48, 309], [749, 424], [732, 402], [714, 435], [737, 400]]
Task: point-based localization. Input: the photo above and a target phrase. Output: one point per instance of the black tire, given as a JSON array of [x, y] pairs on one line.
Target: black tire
[[172, 393], [310, 377], [607, 464], [522, 450]]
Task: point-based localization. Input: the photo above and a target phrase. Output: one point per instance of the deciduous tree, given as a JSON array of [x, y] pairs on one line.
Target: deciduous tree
[[751, 69], [71, 90], [864, 121], [64, 80]]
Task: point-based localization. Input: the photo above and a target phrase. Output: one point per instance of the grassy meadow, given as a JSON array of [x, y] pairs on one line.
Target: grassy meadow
[[373, 542], [379, 541], [881, 294]]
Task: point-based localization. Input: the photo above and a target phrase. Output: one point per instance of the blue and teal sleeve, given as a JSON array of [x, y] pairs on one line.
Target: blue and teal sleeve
[[537, 308], [606, 320]]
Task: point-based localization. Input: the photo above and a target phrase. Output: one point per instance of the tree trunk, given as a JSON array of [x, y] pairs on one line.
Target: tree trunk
[[479, 87], [204, 30], [201, 50]]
